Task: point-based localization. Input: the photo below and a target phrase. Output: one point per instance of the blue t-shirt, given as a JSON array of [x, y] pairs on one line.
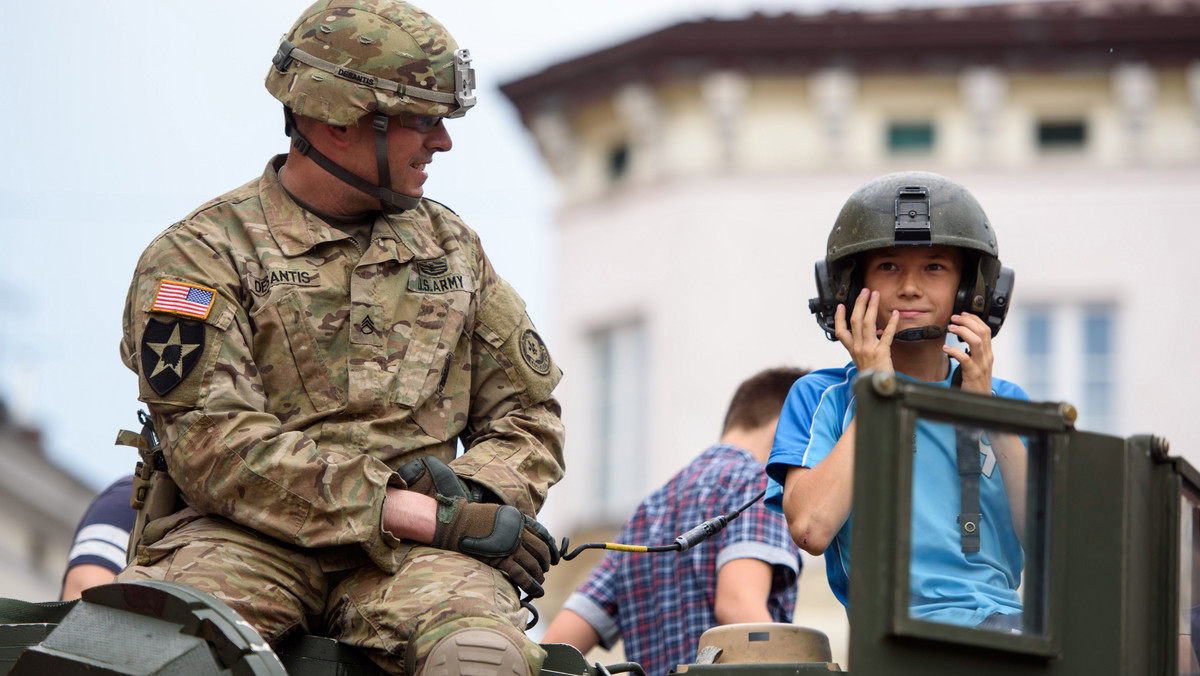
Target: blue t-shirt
[[795, 420], [946, 585]]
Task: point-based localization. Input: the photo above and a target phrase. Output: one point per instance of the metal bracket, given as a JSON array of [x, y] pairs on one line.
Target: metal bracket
[[912, 217]]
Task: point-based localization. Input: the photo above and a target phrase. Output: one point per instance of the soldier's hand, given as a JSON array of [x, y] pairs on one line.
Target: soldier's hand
[[432, 477], [498, 535]]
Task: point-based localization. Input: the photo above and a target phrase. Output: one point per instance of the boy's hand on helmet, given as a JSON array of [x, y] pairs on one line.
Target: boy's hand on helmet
[[870, 348], [976, 361]]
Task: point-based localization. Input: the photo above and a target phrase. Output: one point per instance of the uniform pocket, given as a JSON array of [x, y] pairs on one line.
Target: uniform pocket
[[291, 363], [432, 377]]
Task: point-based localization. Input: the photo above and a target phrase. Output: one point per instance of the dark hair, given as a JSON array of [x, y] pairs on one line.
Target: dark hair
[[759, 399]]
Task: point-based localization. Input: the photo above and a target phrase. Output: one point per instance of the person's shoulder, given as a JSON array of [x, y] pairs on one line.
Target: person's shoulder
[[1008, 390], [210, 222], [722, 468], [112, 506], [443, 217], [829, 385], [816, 382], [448, 226]]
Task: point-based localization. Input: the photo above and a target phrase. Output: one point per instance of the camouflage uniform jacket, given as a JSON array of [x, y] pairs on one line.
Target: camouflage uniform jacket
[[286, 404]]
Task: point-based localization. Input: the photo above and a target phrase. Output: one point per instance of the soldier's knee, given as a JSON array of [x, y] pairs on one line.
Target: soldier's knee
[[477, 651]]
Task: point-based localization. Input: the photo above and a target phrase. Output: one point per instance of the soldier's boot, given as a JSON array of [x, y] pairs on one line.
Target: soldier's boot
[[476, 651]]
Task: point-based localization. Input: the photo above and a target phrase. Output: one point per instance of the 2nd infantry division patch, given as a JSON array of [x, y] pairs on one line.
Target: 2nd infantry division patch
[[170, 350], [534, 351]]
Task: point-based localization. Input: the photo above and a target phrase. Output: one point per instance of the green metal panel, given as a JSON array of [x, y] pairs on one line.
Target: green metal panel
[[1107, 551], [15, 638]]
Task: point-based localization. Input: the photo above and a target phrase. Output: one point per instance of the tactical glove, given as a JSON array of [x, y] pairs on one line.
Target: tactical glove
[[429, 476], [498, 535]]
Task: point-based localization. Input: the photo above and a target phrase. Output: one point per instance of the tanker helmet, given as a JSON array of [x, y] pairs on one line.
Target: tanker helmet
[[913, 208], [344, 59]]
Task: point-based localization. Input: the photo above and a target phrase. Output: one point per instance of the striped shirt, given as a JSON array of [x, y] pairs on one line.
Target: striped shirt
[[103, 533]]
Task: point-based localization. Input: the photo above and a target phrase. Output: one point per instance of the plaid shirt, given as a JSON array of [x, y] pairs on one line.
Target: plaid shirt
[[661, 603]]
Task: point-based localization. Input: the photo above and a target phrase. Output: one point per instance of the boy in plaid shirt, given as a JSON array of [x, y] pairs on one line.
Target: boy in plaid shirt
[[660, 604]]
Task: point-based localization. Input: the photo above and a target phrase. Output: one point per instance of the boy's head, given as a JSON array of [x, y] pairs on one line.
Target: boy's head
[[759, 399], [919, 283], [916, 210]]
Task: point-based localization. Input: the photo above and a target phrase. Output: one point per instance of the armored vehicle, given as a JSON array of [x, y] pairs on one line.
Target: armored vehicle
[[1109, 582]]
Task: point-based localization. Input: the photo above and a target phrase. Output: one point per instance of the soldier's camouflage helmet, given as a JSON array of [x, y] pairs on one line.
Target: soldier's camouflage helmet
[[344, 59], [913, 208]]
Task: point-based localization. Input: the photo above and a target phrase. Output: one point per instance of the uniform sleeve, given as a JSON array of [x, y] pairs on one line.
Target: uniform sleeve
[[515, 433], [596, 602], [228, 455]]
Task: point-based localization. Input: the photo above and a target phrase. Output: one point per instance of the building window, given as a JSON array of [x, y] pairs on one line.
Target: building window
[[1038, 383], [618, 162], [1061, 135], [621, 384], [1069, 353], [910, 137], [1098, 358]]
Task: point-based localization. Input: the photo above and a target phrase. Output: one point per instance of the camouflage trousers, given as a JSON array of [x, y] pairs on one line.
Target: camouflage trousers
[[397, 619]]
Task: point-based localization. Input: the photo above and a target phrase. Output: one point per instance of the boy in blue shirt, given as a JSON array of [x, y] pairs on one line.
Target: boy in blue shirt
[[911, 258]]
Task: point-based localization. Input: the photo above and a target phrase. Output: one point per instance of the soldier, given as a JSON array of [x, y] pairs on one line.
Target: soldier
[[314, 345], [911, 258]]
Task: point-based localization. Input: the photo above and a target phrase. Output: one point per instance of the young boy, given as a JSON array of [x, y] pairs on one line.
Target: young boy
[[911, 258]]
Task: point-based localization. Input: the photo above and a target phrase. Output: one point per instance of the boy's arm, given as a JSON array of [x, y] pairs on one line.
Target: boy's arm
[[743, 587], [589, 616], [570, 628], [1012, 459], [976, 365], [817, 501]]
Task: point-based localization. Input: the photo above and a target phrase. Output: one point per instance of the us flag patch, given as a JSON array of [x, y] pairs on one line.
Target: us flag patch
[[185, 299]]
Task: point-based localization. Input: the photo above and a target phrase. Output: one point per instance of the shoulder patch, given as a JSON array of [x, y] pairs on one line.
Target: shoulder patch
[[170, 350], [182, 298], [534, 352]]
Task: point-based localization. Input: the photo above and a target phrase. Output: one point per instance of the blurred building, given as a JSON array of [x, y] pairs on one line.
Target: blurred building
[[701, 167], [40, 505]]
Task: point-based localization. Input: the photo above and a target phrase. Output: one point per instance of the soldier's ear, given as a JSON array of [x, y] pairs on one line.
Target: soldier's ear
[[333, 140]]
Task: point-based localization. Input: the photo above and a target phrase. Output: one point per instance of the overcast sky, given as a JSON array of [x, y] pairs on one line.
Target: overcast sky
[[119, 117]]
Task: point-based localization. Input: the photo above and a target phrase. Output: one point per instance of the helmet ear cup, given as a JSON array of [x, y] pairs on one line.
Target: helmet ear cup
[[999, 299], [995, 298], [839, 286], [965, 296], [825, 304]]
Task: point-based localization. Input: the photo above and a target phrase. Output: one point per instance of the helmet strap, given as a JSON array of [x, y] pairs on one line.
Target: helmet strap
[[390, 201]]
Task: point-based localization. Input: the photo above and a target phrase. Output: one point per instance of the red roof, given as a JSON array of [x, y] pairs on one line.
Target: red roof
[[1016, 36]]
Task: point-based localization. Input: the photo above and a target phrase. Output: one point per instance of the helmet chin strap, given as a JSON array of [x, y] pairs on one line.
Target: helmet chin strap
[[391, 202], [930, 332]]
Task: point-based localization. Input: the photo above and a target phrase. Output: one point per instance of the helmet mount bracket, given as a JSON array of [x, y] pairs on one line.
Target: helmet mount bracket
[[912, 217]]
